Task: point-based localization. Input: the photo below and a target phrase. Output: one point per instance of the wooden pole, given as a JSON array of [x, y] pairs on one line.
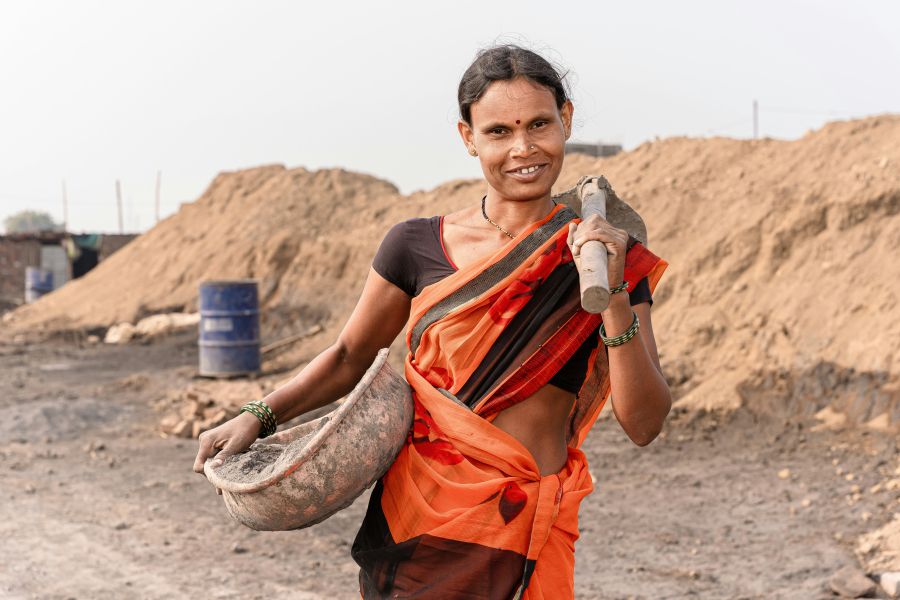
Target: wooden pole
[[593, 275], [755, 119], [65, 207], [158, 180], [119, 204]]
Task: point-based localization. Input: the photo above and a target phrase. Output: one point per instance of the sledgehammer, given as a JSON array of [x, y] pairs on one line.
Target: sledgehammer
[[594, 196]]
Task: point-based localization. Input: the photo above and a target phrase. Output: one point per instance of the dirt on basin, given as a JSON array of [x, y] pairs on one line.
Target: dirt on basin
[[95, 504]]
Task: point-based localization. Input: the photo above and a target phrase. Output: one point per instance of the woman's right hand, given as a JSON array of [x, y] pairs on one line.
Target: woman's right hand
[[229, 438]]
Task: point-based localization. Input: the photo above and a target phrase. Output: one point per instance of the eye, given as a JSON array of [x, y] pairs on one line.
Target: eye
[[539, 124], [497, 131]]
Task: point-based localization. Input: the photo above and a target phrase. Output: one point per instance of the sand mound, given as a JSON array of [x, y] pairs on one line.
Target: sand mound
[[781, 295]]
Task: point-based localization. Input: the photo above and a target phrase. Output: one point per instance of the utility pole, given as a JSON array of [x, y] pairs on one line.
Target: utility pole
[[755, 119], [119, 203], [65, 208], [158, 179]]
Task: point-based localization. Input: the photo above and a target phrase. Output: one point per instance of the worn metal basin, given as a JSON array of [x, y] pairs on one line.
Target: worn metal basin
[[303, 475]]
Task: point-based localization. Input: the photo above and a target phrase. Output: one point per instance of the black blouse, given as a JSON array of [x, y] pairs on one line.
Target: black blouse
[[412, 256]]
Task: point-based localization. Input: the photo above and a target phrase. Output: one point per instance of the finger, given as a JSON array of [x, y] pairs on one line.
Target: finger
[[570, 240], [596, 235], [227, 450], [205, 451]]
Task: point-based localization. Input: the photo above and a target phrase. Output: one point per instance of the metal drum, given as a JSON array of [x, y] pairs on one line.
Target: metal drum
[[37, 283], [229, 328]]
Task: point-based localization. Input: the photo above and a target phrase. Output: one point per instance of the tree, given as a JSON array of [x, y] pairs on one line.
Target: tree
[[30, 220]]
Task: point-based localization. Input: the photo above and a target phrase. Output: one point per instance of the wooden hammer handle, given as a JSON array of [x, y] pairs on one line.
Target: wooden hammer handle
[[593, 271]]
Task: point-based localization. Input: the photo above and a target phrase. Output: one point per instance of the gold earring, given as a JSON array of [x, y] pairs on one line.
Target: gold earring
[[473, 151]]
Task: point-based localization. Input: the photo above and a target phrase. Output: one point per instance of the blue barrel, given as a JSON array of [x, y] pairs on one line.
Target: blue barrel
[[37, 283], [229, 328]]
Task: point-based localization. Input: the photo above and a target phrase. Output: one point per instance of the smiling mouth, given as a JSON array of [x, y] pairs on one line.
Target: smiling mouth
[[527, 170]]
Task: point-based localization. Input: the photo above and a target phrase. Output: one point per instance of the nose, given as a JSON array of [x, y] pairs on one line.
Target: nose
[[522, 146]]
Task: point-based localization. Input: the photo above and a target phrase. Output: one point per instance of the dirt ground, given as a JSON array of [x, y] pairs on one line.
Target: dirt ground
[[95, 504]]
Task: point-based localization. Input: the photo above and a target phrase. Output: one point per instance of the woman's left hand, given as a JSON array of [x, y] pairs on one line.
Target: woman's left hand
[[597, 228]]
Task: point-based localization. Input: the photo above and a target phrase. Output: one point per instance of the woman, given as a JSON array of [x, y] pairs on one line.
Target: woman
[[506, 369]]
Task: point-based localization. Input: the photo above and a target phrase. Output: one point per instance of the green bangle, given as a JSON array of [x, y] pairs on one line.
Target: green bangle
[[619, 288], [263, 419], [273, 423], [261, 411], [262, 404], [624, 337]]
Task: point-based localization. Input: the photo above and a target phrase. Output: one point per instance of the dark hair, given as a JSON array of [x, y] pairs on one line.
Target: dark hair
[[502, 63]]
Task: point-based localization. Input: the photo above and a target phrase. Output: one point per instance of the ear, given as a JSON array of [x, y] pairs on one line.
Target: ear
[[565, 114], [466, 133]]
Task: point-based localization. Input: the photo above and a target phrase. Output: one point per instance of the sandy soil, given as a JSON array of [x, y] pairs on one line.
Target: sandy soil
[[95, 504]]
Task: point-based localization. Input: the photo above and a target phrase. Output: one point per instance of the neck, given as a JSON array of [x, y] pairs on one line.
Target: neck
[[515, 215]]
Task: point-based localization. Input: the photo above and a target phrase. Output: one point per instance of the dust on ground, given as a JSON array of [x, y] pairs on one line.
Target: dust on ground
[[96, 504]]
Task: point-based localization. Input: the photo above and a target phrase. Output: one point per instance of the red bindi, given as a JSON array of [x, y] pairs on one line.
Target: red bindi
[[518, 122]]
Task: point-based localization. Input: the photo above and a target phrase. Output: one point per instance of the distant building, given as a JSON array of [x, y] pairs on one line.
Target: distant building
[[598, 150], [65, 255]]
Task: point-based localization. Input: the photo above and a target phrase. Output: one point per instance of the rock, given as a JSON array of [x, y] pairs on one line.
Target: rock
[[830, 419], [238, 549], [93, 339], [880, 423], [94, 447], [890, 583], [184, 428], [164, 323], [879, 550], [784, 474], [191, 409], [168, 423], [851, 582], [119, 334], [121, 525]]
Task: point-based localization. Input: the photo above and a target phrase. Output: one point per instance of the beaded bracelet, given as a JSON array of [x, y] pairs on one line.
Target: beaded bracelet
[[619, 288], [261, 411], [621, 339]]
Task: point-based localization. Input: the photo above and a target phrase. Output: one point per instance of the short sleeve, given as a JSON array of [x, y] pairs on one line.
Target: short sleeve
[[392, 260], [641, 292]]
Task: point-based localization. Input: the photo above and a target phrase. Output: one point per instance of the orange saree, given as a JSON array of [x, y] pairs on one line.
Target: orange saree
[[464, 512]]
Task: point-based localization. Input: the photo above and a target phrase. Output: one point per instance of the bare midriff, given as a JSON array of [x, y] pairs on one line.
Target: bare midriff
[[539, 423]]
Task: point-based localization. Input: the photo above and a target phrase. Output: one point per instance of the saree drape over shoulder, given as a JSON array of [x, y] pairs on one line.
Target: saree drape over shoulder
[[464, 512]]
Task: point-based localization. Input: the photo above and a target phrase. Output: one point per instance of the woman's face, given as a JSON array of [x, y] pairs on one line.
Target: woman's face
[[516, 126]]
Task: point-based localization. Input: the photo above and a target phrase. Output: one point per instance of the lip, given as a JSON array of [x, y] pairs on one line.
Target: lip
[[527, 177]]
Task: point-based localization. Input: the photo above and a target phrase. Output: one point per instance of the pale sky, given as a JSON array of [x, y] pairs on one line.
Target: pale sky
[[91, 92]]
